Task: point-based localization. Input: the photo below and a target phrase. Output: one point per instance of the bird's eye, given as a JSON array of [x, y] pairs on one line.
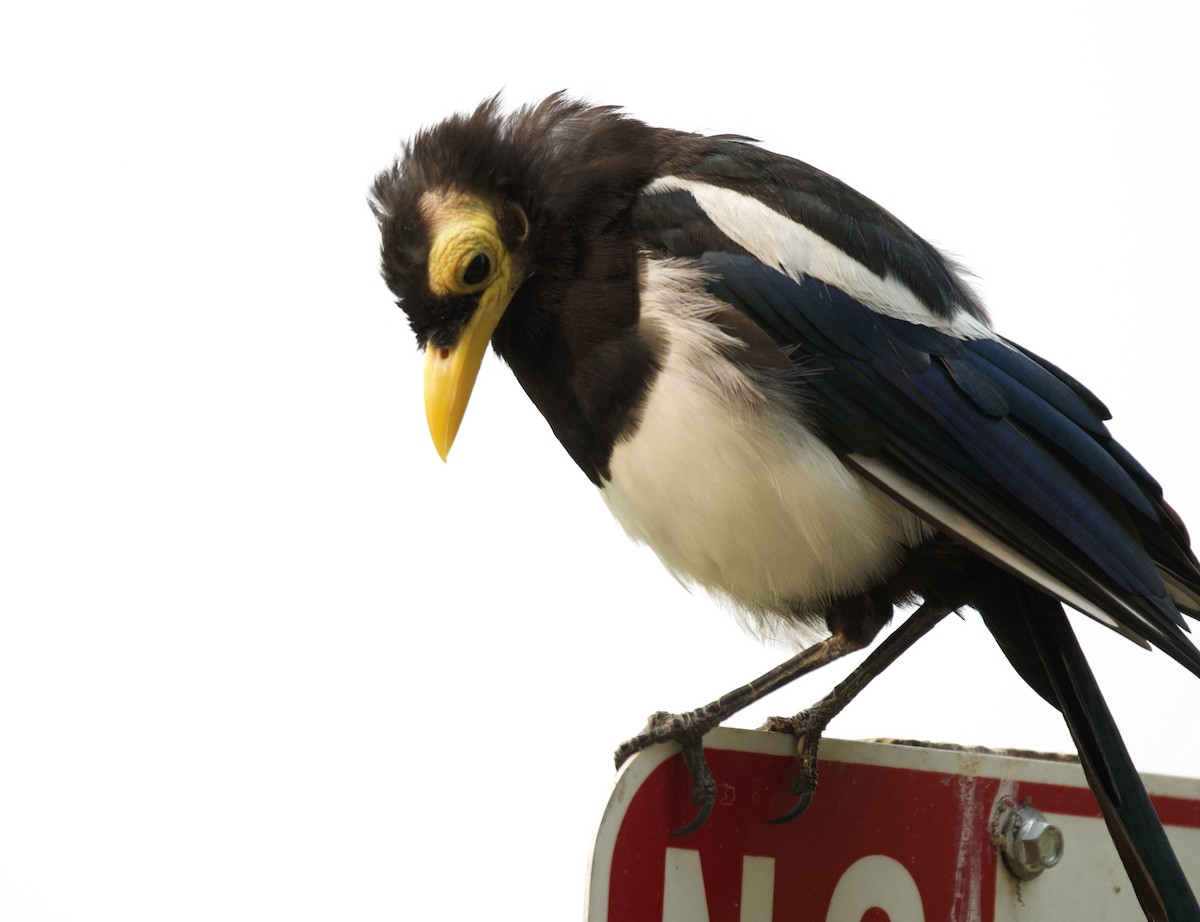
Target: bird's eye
[[477, 269]]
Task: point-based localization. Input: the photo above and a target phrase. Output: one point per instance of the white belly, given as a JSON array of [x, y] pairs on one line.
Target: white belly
[[743, 500]]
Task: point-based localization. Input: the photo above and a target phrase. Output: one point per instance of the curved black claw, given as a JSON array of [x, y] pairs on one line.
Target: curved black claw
[[798, 807], [807, 727], [688, 730], [704, 786], [701, 818]]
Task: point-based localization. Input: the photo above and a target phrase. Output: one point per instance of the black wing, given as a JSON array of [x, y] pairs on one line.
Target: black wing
[[988, 441], [978, 435]]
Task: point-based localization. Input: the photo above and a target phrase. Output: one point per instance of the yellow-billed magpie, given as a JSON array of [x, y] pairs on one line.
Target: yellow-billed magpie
[[798, 404]]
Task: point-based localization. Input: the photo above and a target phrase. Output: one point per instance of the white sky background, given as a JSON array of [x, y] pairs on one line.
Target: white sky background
[[262, 655]]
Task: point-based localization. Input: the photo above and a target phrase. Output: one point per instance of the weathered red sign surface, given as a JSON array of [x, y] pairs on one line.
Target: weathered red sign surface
[[895, 834]]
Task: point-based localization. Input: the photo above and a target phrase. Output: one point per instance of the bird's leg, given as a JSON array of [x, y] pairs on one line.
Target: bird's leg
[[808, 725], [688, 729], [662, 727]]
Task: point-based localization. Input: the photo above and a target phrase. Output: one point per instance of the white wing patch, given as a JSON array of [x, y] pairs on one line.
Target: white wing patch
[[797, 251]]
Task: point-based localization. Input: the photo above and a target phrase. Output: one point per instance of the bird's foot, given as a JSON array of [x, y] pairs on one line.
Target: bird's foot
[[688, 730], [807, 727], [665, 727]]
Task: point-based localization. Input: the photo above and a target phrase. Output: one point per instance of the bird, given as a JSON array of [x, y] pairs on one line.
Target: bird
[[798, 404]]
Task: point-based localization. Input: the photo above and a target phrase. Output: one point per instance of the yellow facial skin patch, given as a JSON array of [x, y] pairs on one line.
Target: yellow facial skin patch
[[466, 256]]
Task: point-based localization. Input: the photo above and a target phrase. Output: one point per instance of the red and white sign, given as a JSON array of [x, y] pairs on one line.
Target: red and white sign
[[894, 834]]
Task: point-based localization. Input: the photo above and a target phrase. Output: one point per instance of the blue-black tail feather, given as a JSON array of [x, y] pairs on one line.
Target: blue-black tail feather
[[1032, 630]]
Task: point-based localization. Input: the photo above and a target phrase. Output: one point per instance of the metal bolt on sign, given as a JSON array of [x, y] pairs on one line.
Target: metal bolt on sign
[[1028, 843]]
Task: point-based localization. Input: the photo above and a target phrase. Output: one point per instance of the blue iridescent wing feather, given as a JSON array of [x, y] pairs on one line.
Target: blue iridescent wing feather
[[988, 427]]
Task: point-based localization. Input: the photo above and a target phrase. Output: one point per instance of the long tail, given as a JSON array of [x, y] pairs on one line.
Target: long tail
[[1033, 631]]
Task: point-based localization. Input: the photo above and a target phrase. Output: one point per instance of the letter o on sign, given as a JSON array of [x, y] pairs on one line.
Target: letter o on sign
[[876, 882]]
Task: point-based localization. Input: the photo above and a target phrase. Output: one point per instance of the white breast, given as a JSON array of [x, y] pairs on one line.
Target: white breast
[[734, 493]]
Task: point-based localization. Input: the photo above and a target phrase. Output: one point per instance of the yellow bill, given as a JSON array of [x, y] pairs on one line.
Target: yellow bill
[[450, 372], [467, 258]]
